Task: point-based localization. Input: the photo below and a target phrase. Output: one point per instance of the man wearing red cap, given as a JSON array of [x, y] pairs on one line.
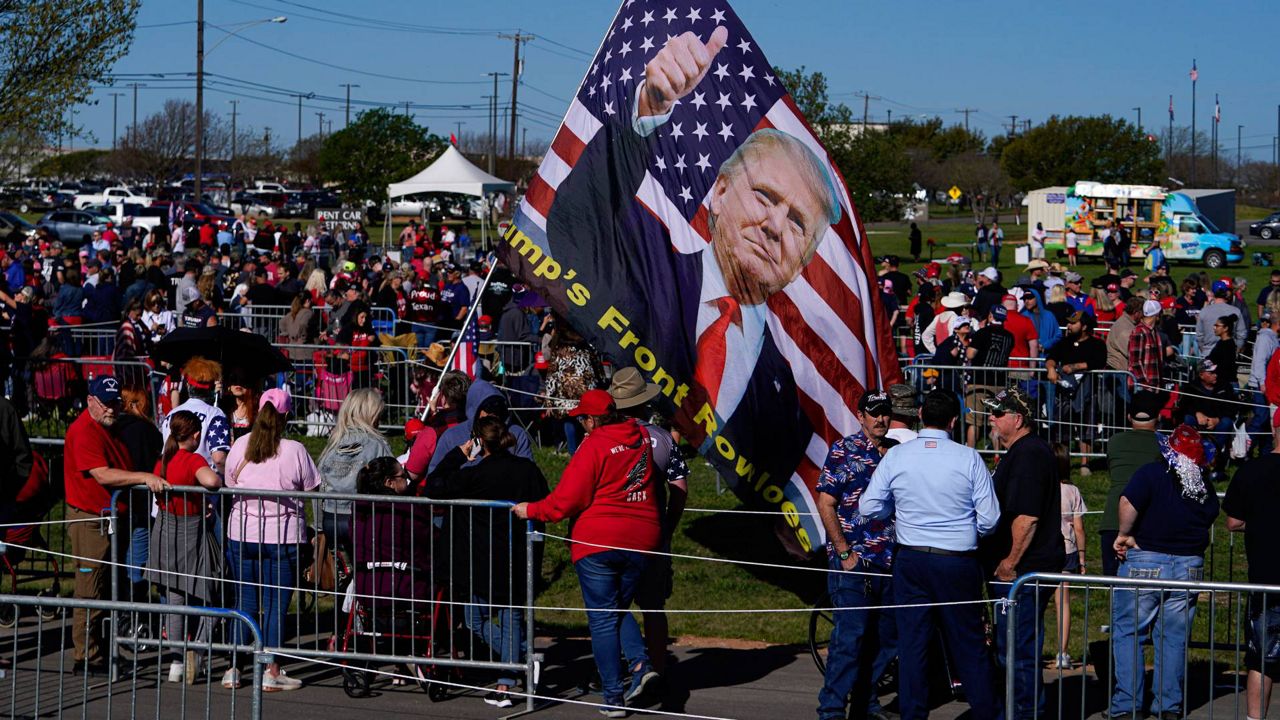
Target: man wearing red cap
[[607, 489]]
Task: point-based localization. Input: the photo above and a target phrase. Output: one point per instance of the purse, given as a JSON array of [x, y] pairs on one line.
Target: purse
[[323, 572]]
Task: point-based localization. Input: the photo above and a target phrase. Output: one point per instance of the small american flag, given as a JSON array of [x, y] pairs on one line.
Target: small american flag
[[825, 322], [1217, 109], [1171, 107], [1195, 74], [467, 356]]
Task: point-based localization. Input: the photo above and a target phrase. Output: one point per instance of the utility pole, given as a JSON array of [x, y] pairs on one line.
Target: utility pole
[[524, 141], [406, 107], [1216, 110], [1139, 110], [1013, 125], [1239, 131], [115, 101], [458, 135], [299, 96], [516, 39], [321, 116], [199, 184], [1168, 159], [1195, 75], [348, 86], [866, 107], [493, 121], [965, 112], [1028, 126], [133, 128], [235, 106], [890, 122]]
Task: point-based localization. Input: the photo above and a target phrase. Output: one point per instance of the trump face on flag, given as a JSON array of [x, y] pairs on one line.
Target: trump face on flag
[[701, 235]]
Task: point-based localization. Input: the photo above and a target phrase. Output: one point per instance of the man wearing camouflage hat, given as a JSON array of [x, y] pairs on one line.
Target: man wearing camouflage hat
[[1028, 539], [903, 413]]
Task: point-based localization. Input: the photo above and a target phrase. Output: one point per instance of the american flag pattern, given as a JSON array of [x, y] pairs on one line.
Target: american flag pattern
[[824, 323], [468, 352]]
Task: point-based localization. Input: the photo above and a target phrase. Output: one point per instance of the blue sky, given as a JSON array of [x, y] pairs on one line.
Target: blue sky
[[1030, 59]]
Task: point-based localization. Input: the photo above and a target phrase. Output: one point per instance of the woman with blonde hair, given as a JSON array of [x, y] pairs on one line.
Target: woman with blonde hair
[[355, 441], [316, 285]]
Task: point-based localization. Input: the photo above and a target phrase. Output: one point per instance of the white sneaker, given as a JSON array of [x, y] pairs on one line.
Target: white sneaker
[[279, 683], [177, 672], [231, 679], [1064, 661]]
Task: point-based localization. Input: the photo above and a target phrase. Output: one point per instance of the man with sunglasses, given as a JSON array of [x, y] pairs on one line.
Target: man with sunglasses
[[96, 464], [859, 554], [1028, 539]]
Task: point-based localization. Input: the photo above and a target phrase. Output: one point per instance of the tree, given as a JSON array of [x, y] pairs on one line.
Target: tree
[[78, 164], [875, 165], [1064, 150], [304, 160], [52, 53], [377, 149], [164, 142]]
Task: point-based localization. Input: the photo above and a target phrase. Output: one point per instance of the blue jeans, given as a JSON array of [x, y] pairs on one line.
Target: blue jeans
[[863, 642], [995, 256], [982, 252], [138, 552], [1028, 643], [609, 580], [922, 579], [505, 637], [571, 435], [1259, 426], [1133, 613], [263, 564], [425, 335]]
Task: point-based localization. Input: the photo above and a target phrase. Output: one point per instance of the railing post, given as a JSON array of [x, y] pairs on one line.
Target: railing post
[[1011, 626], [529, 674]]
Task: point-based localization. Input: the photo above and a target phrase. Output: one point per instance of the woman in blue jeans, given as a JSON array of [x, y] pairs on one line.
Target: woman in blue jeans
[[263, 533], [1166, 513]]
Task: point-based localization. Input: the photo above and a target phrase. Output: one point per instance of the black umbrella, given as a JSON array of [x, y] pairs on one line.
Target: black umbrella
[[248, 352]]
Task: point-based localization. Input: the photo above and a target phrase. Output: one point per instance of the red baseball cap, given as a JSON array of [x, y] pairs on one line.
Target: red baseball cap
[[593, 402]]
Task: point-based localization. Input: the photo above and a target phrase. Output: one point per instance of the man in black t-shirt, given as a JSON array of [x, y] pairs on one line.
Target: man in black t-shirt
[[1252, 505], [988, 353], [901, 283], [1027, 540], [1073, 400]]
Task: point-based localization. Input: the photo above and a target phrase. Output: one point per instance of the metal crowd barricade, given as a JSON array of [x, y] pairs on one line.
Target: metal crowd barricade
[[1200, 634], [57, 388], [1082, 416], [43, 680], [92, 339], [323, 377], [398, 574]]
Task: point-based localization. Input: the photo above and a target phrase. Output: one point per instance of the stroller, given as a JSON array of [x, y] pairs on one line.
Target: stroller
[[392, 606], [333, 382], [33, 502]]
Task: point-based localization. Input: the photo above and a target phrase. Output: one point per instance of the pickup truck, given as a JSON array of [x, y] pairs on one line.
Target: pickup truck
[[112, 196], [140, 215]]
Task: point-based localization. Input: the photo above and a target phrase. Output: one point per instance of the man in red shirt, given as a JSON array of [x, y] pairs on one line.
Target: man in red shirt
[[608, 490], [96, 463], [1026, 341]]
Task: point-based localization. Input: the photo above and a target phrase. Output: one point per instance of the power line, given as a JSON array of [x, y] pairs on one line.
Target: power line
[[384, 76]]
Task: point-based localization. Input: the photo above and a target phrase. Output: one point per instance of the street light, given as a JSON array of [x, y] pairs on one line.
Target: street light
[[200, 53]]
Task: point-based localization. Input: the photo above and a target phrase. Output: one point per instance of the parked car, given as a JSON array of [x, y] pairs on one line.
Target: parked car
[[13, 227], [312, 200], [200, 213], [136, 214], [248, 203], [27, 200], [73, 227], [1266, 228], [112, 195]]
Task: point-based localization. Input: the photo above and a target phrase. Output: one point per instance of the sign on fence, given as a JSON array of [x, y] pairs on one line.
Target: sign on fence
[[342, 218]]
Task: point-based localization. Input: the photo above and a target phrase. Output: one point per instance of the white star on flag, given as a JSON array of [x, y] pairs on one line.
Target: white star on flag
[[676, 133], [626, 48], [662, 164], [605, 82], [726, 132], [722, 71], [703, 163], [670, 17], [724, 102], [748, 101], [746, 73], [769, 79], [685, 194], [701, 131], [694, 15], [648, 18], [608, 108], [699, 99], [718, 16], [647, 44], [625, 76], [744, 46], [680, 163], [626, 23]]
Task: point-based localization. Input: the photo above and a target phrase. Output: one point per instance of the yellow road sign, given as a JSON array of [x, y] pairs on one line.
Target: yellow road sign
[[954, 192]]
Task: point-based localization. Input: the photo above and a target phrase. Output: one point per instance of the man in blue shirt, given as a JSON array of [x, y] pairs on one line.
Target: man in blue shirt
[[456, 296], [942, 499], [859, 554]]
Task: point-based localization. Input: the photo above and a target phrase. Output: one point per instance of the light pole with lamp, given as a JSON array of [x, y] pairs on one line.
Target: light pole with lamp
[[200, 53]]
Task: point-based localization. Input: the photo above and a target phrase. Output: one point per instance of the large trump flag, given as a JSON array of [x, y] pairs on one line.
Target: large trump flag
[[688, 222]]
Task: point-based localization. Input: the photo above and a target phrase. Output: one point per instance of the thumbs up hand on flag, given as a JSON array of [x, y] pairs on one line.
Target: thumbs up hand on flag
[[677, 69]]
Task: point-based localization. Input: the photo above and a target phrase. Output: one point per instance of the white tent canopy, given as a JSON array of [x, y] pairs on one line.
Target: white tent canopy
[[451, 173]]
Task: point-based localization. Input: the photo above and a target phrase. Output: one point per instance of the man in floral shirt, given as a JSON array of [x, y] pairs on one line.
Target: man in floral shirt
[[860, 553]]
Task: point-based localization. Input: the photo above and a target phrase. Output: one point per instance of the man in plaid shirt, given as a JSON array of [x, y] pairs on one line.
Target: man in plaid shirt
[[1146, 348]]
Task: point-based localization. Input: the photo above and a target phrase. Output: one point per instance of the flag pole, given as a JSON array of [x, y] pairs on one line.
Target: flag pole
[[471, 311], [1195, 75]]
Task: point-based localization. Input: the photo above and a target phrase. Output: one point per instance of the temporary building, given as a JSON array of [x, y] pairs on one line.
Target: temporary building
[[452, 172]]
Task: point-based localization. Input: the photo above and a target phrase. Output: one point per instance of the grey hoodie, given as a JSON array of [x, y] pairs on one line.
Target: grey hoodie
[[460, 433], [339, 465]]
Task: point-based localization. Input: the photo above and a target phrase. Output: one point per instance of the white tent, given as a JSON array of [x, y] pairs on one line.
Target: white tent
[[451, 173]]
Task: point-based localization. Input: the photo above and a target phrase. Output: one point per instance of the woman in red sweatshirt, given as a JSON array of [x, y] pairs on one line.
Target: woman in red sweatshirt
[[607, 492]]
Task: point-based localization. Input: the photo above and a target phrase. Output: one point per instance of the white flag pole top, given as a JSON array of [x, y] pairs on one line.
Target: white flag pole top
[[475, 305]]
